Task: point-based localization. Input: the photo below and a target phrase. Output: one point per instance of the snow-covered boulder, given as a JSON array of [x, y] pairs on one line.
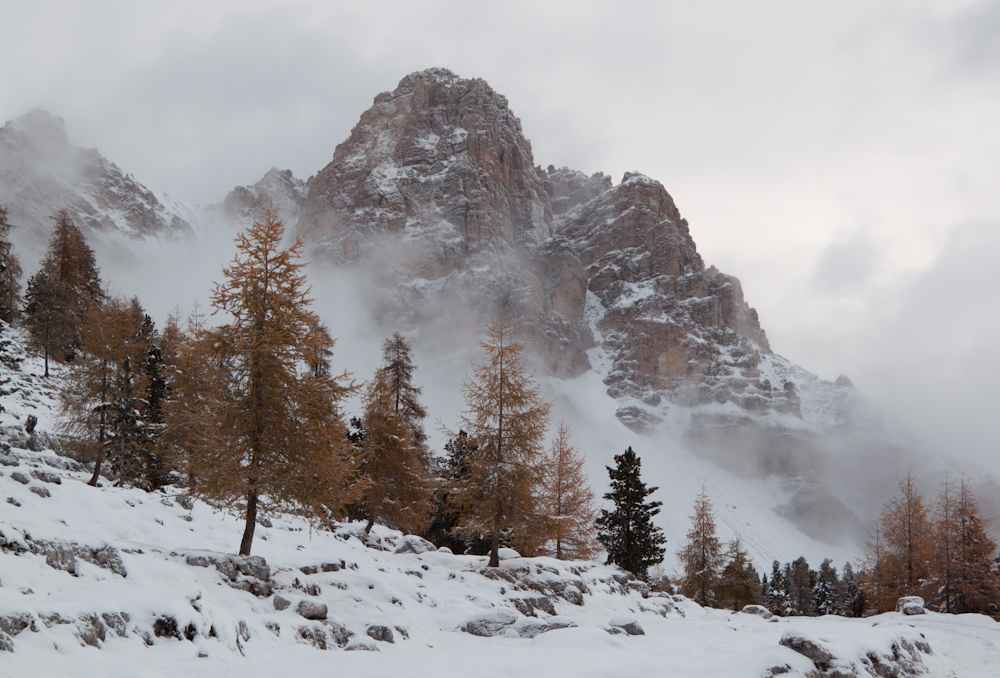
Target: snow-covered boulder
[[627, 624], [489, 623], [757, 610], [379, 632], [530, 628], [311, 610], [809, 647], [910, 605], [411, 543], [508, 554]]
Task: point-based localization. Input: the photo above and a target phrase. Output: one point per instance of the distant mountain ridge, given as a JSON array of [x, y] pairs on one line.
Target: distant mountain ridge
[[42, 173]]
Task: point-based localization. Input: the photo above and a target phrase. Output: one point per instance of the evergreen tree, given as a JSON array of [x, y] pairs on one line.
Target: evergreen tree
[[800, 580], [10, 274], [60, 294], [453, 472], [47, 314], [506, 418], [568, 501], [274, 435], [853, 599], [738, 582], [394, 463], [627, 533], [701, 556], [776, 596], [825, 598]]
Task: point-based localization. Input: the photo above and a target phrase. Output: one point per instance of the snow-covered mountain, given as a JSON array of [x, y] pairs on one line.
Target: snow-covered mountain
[[42, 173], [430, 211], [98, 581]]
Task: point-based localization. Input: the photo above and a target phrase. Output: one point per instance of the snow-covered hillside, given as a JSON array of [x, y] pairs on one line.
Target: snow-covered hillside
[[116, 581]]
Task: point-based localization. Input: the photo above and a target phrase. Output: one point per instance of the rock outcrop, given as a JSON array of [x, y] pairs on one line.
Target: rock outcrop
[[279, 188], [436, 190]]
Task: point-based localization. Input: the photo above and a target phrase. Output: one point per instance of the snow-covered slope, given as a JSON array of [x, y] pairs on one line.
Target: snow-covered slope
[[112, 581]]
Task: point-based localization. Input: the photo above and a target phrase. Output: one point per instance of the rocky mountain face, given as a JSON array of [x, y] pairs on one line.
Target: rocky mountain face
[[278, 188], [437, 186], [42, 173]]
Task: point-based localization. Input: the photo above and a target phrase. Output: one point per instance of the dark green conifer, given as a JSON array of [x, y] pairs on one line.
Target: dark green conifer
[[628, 533]]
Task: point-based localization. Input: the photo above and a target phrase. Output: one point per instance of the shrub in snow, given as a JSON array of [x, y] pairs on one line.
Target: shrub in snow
[[20, 477], [41, 492]]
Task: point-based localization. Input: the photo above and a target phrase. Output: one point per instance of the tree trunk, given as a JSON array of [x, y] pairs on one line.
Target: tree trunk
[[97, 472], [251, 523], [371, 522], [495, 550]]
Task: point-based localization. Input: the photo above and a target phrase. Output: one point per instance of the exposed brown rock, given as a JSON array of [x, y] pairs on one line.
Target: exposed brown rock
[[436, 193]]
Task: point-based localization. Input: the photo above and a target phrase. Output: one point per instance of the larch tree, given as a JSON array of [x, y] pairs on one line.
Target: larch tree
[[899, 552], [908, 536], [102, 396], [506, 418], [394, 461], [738, 582], [873, 578], [10, 273], [197, 384], [568, 501], [627, 532], [701, 556], [276, 435], [966, 563]]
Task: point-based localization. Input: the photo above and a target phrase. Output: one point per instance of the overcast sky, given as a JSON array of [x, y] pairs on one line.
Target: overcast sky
[[842, 159]]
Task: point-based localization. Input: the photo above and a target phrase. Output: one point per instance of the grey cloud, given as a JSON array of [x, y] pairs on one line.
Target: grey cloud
[[845, 266]]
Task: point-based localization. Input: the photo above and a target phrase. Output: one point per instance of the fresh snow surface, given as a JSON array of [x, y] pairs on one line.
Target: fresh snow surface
[[429, 596]]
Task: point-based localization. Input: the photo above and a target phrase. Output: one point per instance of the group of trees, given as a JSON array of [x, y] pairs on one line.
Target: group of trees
[[248, 413], [940, 551], [714, 574]]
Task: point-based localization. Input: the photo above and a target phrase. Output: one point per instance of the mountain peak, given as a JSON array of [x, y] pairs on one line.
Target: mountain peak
[[44, 128]]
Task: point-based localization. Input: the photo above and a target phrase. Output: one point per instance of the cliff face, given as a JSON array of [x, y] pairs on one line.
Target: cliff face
[[437, 188], [42, 173]]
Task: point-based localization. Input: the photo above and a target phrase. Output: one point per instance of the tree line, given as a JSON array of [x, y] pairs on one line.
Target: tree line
[[248, 414], [941, 552]]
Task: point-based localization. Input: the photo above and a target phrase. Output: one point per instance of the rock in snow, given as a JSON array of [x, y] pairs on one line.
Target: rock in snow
[[627, 624], [411, 543], [491, 623]]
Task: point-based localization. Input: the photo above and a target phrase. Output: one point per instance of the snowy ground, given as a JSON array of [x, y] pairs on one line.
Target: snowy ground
[[429, 596]]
